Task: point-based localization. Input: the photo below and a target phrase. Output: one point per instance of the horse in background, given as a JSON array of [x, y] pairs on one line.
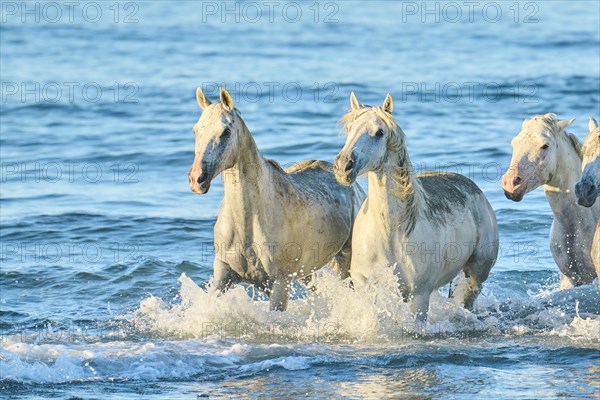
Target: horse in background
[[545, 154], [588, 187], [274, 226]]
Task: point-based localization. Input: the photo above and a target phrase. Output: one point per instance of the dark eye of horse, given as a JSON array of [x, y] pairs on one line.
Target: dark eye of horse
[[544, 147], [379, 133], [226, 132]]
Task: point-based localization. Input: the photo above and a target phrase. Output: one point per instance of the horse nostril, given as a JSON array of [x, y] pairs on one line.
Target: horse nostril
[[349, 165], [517, 181]]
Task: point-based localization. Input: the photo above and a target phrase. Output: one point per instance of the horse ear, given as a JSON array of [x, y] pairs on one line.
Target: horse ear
[[354, 104], [203, 101], [592, 124], [226, 99], [388, 104], [564, 124]]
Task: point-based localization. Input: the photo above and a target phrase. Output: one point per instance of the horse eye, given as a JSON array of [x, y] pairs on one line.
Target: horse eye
[[226, 132], [379, 133], [544, 147]]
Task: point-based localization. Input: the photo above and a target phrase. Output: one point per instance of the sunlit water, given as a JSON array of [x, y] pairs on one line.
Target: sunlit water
[[106, 254]]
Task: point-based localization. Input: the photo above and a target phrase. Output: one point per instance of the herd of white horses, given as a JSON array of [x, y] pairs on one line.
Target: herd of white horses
[[277, 226]]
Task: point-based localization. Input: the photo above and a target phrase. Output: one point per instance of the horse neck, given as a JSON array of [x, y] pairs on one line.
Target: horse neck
[[395, 194], [247, 183], [559, 190]]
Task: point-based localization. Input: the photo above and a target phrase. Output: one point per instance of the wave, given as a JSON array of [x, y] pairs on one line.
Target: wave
[[198, 333]]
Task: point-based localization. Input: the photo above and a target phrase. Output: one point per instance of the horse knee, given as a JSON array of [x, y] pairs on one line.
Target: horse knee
[[358, 280]]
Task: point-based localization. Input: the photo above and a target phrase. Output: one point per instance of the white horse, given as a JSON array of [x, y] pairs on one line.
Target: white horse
[[274, 226], [428, 227], [545, 154], [588, 187]]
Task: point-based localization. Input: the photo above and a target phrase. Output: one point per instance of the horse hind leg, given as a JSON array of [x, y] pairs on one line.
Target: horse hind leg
[[476, 271]]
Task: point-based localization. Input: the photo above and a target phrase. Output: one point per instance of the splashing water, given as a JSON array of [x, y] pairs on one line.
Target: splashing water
[[335, 312], [236, 335]]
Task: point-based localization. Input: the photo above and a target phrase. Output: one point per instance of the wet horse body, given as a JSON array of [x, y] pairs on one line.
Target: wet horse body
[[258, 242], [274, 226], [588, 187], [428, 227], [544, 154]]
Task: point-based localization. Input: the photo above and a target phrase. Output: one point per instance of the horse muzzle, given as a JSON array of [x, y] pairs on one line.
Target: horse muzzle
[[344, 169], [513, 187], [514, 196], [199, 184], [586, 193]]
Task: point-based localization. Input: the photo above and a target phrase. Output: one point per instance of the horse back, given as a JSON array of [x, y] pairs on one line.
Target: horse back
[[446, 193], [314, 174], [308, 165]]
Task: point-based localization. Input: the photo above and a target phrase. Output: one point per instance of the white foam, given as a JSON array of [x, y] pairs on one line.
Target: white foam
[[204, 333], [334, 312]]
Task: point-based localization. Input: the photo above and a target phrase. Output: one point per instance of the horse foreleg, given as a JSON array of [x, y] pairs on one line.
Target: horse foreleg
[[224, 276], [279, 294]]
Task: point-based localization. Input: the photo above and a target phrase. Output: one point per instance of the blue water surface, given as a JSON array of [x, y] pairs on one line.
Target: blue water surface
[[98, 222]]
